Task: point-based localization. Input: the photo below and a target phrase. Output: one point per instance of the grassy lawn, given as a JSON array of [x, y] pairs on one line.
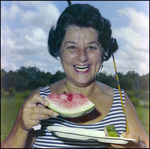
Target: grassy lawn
[[143, 114], [10, 108], [9, 111]]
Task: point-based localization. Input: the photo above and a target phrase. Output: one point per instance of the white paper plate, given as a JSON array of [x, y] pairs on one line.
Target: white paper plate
[[86, 134]]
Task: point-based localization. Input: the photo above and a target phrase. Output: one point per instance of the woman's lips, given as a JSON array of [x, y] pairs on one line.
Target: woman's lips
[[81, 69]]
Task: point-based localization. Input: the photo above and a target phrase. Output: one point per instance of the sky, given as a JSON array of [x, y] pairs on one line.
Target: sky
[[25, 26]]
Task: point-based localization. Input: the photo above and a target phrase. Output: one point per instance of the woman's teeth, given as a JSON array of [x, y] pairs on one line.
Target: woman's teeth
[[81, 68]]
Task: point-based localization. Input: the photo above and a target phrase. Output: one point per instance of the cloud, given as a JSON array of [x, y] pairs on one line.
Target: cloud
[[25, 27], [8, 65], [9, 14], [134, 55], [47, 65], [31, 4], [34, 63], [138, 20], [43, 15], [137, 33]]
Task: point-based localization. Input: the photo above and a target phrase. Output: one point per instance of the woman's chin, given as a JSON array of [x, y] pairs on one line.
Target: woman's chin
[[82, 82]]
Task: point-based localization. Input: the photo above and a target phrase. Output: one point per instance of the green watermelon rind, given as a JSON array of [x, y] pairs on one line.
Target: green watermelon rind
[[75, 114]]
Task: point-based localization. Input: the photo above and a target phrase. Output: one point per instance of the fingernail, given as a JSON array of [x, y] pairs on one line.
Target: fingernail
[[46, 103], [55, 114]]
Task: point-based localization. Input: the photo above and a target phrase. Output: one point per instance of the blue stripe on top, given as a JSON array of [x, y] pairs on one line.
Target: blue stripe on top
[[46, 139]]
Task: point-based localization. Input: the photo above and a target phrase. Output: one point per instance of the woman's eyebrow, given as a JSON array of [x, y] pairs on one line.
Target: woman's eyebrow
[[93, 42], [72, 42]]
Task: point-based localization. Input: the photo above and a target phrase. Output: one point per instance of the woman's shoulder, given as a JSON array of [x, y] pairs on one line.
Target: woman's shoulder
[[55, 87], [107, 89], [37, 91]]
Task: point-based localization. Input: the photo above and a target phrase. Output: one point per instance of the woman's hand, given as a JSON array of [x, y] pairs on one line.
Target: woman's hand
[[132, 144], [33, 111]]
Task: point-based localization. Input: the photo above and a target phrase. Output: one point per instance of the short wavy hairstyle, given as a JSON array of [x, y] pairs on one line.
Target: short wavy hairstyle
[[82, 15]]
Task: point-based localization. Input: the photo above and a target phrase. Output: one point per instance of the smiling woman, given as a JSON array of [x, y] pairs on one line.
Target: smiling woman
[[82, 40], [81, 54]]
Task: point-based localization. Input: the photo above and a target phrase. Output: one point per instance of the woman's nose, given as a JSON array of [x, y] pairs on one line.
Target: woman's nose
[[82, 56]]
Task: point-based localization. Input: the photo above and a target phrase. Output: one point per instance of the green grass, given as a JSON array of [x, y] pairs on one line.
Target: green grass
[[10, 108], [143, 114], [9, 111]]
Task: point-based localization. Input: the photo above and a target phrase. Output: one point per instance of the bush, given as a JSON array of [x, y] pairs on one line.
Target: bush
[[23, 95], [12, 92], [145, 105], [26, 94], [130, 93], [4, 94], [135, 101]]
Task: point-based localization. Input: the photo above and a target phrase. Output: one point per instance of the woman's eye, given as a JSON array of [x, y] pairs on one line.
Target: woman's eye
[[92, 48], [71, 47]]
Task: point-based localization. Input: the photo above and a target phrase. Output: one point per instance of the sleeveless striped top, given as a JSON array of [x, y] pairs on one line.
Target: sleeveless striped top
[[46, 139]]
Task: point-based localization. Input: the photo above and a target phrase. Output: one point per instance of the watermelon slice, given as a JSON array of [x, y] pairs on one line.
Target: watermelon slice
[[69, 105]]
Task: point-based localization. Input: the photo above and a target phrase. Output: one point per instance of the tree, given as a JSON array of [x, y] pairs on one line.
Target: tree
[[12, 92], [3, 72], [120, 75], [57, 77], [8, 80], [126, 83], [48, 76], [31, 78], [109, 80], [21, 83], [134, 77], [144, 82], [101, 77]]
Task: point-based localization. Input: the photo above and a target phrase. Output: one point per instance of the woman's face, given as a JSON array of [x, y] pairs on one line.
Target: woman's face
[[81, 55]]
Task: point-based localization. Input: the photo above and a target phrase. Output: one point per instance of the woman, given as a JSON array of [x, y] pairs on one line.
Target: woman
[[82, 40]]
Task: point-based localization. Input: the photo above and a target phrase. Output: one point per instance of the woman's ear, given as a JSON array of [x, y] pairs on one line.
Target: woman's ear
[[59, 59]]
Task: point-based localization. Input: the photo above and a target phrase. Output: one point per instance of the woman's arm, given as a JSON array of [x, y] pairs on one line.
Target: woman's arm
[[31, 138], [29, 115], [136, 130], [17, 137], [22, 142], [134, 123]]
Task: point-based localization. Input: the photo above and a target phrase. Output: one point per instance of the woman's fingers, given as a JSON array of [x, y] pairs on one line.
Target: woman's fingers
[[45, 111], [28, 124], [42, 113], [39, 117], [134, 136], [34, 110], [35, 99], [131, 144]]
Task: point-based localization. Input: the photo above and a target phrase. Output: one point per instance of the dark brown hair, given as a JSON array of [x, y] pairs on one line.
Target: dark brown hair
[[82, 15]]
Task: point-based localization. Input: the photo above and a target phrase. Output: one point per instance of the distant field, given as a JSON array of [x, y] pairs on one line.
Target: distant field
[[143, 114], [9, 111], [10, 108]]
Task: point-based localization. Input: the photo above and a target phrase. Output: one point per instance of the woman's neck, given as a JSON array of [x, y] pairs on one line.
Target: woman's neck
[[85, 89]]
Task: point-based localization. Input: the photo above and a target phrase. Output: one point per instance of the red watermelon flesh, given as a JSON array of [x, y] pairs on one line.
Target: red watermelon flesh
[[70, 105]]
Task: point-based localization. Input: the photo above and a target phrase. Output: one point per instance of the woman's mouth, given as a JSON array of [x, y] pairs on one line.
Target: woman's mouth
[[81, 69]]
